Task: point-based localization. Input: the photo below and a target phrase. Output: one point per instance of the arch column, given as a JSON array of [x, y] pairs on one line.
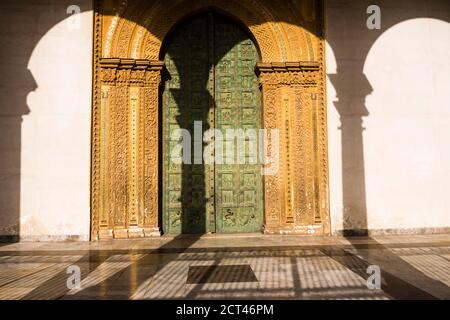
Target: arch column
[[128, 205], [296, 195]]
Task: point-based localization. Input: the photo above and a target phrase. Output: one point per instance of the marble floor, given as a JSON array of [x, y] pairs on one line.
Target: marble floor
[[228, 267]]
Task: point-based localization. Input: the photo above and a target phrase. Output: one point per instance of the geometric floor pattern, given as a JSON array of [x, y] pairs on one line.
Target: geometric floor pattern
[[234, 267]]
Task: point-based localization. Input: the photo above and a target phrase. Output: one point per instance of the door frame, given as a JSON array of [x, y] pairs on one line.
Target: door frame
[[125, 115]]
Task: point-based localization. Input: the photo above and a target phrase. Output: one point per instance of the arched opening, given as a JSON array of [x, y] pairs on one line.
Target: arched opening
[[210, 117], [216, 11]]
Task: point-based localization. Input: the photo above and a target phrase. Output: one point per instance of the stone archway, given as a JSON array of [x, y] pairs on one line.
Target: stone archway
[[125, 177]]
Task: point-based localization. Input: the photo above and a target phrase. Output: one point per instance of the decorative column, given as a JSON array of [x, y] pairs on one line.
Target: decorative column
[[293, 196], [150, 96], [129, 148]]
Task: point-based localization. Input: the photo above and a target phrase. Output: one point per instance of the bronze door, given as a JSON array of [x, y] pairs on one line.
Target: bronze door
[[210, 83]]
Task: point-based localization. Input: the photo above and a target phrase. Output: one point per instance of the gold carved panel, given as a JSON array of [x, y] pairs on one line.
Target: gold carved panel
[[129, 148], [296, 199]]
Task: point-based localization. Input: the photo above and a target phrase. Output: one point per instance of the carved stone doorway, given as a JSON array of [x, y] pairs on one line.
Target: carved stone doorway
[[127, 184]]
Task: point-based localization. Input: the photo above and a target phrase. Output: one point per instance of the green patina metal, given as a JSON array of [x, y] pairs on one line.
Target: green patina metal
[[210, 79]]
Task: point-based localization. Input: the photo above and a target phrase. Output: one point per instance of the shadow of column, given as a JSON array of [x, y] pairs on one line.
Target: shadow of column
[[352, 110], [186, 94], [23, 24], [351, 41]]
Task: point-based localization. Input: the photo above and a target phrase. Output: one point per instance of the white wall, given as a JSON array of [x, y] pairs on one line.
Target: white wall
[[401, 178], [45, 170]]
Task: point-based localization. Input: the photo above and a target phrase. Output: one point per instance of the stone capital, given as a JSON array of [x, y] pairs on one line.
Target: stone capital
[[288, 73], [136, 72]]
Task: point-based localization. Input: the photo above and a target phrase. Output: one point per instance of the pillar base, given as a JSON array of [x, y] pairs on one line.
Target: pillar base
[[130, 233], [305, 230]]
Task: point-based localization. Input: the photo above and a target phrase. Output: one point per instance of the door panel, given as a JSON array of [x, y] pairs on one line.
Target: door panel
[[210, 78], [238, 103], [186, 98]]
